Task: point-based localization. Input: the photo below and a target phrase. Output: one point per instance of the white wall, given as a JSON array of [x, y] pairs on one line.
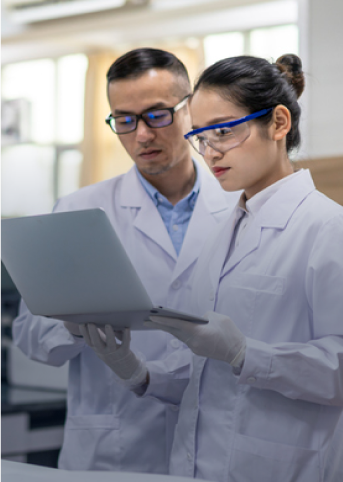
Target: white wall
[[321, 47]]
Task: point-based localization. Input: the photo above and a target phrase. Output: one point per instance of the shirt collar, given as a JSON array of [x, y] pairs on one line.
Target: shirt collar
[[254, 204], [158, 198]]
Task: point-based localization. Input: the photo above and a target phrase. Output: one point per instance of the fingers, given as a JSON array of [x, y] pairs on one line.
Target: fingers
[[73, 328], [102, 338], [126, 339], [101, 333], [95, 339], [84, 332], [158, 326], [111, 338], [175, 323]]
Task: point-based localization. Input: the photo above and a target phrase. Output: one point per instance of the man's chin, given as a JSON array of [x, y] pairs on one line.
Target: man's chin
[[154, 170]]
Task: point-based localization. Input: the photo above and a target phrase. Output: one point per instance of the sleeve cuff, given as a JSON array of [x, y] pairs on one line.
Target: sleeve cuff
[[257, 364]]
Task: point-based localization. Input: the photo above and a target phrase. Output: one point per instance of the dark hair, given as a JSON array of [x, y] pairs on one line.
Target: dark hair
[[135, 63], [256, 84]]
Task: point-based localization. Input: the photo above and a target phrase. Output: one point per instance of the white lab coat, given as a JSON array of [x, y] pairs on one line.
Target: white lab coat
[[108, 427], [283, 287]]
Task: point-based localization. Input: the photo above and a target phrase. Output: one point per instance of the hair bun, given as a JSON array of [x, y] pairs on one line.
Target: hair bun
[[291, 65]]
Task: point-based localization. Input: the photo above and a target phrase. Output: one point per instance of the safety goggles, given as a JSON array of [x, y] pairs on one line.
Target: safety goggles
[[155, 118], [225, 136]]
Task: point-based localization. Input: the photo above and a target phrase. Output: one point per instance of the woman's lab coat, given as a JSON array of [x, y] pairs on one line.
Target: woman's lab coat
[[108, 427], [283, 287]]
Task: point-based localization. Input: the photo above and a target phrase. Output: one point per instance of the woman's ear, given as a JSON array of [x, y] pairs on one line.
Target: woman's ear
[[282, 122]]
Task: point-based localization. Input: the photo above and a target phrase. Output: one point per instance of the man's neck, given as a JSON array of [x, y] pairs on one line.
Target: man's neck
[[175, 183]]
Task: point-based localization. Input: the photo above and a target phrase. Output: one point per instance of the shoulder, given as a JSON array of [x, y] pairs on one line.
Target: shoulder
[[321, 210], [90, 196]]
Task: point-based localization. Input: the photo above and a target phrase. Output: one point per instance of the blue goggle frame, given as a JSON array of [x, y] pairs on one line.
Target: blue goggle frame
[[229, 124]]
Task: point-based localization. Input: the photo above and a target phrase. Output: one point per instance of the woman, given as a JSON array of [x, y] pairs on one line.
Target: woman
[[266, 390]]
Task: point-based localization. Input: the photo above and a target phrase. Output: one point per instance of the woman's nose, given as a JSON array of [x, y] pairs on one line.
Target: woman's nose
[[211, 154]]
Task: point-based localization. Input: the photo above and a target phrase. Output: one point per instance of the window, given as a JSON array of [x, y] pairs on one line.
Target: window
[[43, 101], [269, 43]]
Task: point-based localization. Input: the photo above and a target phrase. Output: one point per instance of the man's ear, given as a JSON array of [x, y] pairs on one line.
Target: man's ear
[[282, 122]]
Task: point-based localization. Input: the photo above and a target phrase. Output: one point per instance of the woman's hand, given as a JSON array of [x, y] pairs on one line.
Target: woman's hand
[[219, 338]]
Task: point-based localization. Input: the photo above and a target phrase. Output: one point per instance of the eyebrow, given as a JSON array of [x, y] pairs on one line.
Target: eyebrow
[[158, 105], [218, 120]]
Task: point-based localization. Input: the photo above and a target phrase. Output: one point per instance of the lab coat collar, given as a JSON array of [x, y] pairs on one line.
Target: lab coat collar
[[132, 193], [148, 220], [287, 199], [211, 200]]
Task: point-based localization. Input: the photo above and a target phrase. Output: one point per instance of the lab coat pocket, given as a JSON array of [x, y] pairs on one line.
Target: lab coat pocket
[[91, 442], [261, 283], [250, 299], [255, 459]]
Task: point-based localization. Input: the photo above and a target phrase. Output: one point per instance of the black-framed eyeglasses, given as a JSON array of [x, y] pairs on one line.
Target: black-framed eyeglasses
[[155, 118]]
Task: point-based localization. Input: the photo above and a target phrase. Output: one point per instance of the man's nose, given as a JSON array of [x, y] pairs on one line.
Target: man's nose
[[144, 132]]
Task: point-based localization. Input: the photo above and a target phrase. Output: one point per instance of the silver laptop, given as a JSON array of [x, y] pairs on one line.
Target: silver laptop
[[72, 266]]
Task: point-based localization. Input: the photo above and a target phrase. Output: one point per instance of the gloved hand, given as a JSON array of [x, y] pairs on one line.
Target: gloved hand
[[73, 328], [219, 338], [117, 356]]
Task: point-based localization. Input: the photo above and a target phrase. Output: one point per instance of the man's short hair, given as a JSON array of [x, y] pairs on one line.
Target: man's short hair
[[135, 63]]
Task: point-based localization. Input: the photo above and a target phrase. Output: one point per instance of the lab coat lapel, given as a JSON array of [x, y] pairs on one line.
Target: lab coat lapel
[[274, 214], [148, 220], [250, 243], [210, 201], [217, 257]]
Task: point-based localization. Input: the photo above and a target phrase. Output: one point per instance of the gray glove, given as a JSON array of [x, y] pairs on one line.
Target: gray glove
[[219, 338], [131, 371], [73, 328]]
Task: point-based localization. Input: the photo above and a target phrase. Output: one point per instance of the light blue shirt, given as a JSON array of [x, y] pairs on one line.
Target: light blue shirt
[[176, 218]]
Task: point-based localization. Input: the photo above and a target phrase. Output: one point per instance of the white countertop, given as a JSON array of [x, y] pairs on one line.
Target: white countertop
[[20, 472]]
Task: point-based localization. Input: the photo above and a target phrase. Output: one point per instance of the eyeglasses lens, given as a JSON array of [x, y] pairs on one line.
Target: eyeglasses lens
[[128, 123], [122, 124], [158, 118], [222, 139]]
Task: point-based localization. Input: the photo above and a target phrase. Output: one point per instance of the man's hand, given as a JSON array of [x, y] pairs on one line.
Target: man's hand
[[118, 356], [73, 328], [219, 338]]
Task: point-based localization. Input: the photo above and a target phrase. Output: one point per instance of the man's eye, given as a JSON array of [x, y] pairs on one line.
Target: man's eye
[[124, 120], [156, 115]]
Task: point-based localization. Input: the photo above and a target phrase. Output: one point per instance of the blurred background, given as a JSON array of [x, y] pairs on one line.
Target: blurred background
[[55, 55]]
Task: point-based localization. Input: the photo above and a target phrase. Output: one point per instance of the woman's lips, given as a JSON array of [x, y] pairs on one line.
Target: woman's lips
[[218, 171]]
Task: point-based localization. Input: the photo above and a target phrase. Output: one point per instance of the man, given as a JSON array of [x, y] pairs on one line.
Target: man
[[162, 210]]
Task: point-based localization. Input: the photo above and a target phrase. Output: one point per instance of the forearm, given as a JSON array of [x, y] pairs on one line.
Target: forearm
[[44, 339], [310, 371]]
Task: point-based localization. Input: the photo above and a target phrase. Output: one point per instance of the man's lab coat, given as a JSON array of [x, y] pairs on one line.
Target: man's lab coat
[[283, 287], [108, 427]]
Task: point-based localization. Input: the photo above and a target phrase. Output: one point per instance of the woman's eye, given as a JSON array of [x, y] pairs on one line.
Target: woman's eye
[[200, 139], [223, 132]]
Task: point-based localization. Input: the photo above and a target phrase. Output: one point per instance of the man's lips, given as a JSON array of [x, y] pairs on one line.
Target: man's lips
[[218, 171], [149, 153]]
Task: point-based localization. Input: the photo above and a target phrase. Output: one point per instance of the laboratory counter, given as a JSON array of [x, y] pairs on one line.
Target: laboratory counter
[[32, 424], [17, 472]]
